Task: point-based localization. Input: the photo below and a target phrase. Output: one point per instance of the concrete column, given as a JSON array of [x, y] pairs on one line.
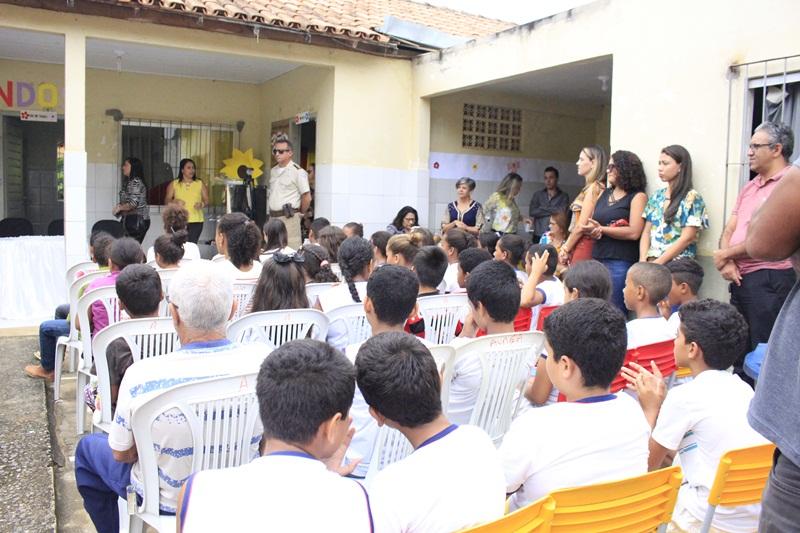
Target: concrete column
[[75, 231]]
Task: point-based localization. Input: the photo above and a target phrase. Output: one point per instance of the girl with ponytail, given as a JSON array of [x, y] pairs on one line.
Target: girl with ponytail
[[317, 264], [239, 239], [169, 249]]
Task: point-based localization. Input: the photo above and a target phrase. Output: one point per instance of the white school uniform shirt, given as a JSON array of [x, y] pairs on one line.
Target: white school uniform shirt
[[703, 419], [149, 377], [282, 491], [335, 297], [450, 281], [464, 385], [571, 444], [674, 322], [237, 275], [650, 330], [452, 481], [366, 427], [190, 251], [522, 276]]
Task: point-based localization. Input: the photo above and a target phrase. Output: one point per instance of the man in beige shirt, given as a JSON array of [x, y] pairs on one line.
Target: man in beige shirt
[[289, 194]]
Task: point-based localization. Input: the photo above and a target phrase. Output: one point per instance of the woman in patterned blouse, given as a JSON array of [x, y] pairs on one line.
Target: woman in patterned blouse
[[674, 215], [501, 210], [465, 213], [132, 206]]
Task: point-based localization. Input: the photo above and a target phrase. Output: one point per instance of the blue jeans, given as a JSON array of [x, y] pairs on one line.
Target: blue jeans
[[101, 481], [49, 332], [618, 270]]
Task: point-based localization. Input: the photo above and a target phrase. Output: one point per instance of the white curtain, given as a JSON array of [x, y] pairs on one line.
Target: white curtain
[[32, 272], [790, 105]]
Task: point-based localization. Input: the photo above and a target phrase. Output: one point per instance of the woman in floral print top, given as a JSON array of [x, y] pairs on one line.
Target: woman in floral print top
[[500, 210], [674, 215]]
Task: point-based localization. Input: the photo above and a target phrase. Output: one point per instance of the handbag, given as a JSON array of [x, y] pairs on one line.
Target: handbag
[[134, 224]]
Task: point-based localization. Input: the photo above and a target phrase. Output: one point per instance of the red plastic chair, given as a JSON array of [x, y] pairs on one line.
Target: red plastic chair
[[663, 353], [544, 312]]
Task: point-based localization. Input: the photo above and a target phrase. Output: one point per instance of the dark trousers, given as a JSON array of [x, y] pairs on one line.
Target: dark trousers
[[195, 229], [780, 504], [139, 236], [759, 298], [619, 271], [101, 481]]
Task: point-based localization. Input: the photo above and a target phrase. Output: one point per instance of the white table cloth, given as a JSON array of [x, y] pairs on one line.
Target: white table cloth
[[32, 273]]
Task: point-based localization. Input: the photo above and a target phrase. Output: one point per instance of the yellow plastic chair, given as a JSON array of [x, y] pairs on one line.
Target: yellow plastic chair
[[533, 518], [740, 479], [637, 504]]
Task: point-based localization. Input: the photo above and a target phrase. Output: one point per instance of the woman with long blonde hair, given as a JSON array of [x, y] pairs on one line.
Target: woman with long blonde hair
[[592, 162]]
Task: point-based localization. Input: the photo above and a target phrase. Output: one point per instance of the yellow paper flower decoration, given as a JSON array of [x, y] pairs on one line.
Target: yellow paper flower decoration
[[237, 166]]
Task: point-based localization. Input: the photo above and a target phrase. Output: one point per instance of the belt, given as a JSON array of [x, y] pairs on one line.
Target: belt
[[281, 213]]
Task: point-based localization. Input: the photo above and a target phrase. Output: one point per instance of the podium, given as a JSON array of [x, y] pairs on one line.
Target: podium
[[248, 199]]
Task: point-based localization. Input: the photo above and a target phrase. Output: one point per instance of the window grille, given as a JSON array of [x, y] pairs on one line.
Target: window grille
[[488, 127]]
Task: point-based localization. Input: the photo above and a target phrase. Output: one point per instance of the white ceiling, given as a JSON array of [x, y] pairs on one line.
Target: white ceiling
[[575, 81], [141, 58]]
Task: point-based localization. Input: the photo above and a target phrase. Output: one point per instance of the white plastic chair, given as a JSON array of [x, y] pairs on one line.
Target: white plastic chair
[[313, 290], [445, 357], [222, 415], [441, 314], [242, 294], [85, 266], [108, 297], [390, 446], [146, 337], [503, 360], [166, 276], [70, 347], [277, 327], [354, 319]]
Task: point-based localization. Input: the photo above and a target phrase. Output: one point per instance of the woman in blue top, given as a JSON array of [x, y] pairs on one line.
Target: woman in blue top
[[465, 213], [674, 215]]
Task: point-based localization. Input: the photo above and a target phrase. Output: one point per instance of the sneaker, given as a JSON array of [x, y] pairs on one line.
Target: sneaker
[[36, 371], [37, 355]]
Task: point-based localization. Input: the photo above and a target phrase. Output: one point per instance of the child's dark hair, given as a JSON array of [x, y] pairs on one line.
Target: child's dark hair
[[687, 270], [139, 289], [656, 280], [355, 254], [590, 277], [175, 218], [494, 284], [126, 251], [317, 264], [592, 333], [169, 246], [393, 291], [331, 238], [243, 238], [472, 257], [379, 240], [318, 224], [277, 238], [552, 258], [100, 242], [430, 264], [459, 239], [281, 285], [488, 241], [405, 245], [398, 378], [356, 228], [718, 328], [515, 246], [302, 384]]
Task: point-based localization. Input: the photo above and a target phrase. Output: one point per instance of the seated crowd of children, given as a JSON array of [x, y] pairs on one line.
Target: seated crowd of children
[[322, 404]]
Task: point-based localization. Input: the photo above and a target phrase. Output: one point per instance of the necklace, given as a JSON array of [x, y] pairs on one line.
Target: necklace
[[613, 199]]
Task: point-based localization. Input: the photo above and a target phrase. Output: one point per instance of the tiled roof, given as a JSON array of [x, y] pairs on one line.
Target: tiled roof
[[353, 18]]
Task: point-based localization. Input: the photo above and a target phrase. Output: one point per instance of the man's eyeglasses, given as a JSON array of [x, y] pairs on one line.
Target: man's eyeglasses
[[276, 151], [756, 146]]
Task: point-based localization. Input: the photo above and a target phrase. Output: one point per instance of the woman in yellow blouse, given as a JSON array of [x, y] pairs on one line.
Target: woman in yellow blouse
[[189, 192]]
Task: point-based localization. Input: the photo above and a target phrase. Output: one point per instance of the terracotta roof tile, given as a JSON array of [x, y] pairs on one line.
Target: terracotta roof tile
[[354, 18]]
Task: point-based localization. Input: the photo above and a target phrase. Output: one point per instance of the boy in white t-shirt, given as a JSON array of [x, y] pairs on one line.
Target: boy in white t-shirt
[[646, 285], [592, 437], [304, 391], [585, 279], [453, 479], [391, 298], [542, 287], [702, 419], [687, 276]]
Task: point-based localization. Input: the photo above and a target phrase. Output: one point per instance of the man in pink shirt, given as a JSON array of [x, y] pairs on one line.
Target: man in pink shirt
[[758, 288]]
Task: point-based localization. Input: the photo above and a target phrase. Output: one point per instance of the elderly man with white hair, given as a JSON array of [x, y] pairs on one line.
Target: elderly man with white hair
[[201, 301]]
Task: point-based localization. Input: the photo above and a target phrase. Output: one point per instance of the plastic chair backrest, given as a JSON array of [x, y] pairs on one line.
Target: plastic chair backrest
[[166, 276], [146, 337], [636, 504], [85, 266], [741, 476], [278, 327], [15, 227], [354, 319], [74, 290], [544, 312], [441, 313], [503, 365], [242, 294], [390, 446], [313, 290], [445, 357], [108, 297], [619, 382], [663, 353], [533, 518], [222, 415]]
